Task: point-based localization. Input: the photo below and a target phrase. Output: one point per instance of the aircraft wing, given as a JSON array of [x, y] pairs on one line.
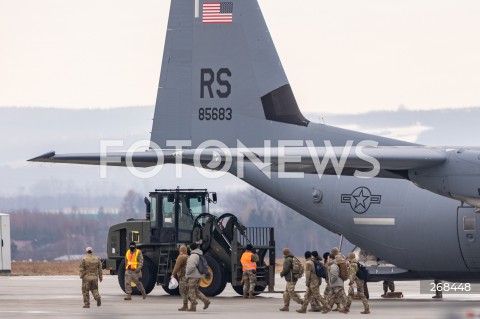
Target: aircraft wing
[[137, 159], [291, 159], [325, 160], [453, 173]]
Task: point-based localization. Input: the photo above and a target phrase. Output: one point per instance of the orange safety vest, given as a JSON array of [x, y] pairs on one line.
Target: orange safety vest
[[247, 263], [132, 260]]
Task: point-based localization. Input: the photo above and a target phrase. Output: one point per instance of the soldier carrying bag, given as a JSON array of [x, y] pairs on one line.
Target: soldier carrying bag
[[297, 268], [362, 272], [342, 265], [202, 265], [320, 269]]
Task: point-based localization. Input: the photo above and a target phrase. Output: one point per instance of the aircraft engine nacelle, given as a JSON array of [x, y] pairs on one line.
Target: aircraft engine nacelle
[[458, 177]]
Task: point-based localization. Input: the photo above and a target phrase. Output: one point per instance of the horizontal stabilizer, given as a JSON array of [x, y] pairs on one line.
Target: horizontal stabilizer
[[137, 159], [290, 159]]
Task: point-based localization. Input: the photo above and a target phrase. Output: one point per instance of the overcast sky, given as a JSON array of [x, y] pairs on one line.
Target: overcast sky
[[345, 56]]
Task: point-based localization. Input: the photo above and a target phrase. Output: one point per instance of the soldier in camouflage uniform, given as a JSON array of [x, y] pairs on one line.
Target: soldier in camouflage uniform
[[133, 268], [193, 276], [291, 280], [328, 292], [316, 306], [355, 282], [313, 285], [388, 284], [90, 272], [249, 266], [336, 252], [179, 273], [336, 284]]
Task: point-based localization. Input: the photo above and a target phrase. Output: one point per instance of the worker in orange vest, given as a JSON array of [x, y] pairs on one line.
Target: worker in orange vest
[[133, 267], [249, 267]]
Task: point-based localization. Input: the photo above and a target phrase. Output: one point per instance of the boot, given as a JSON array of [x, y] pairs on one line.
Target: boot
[[144, 294], [86, 306], [365, 312], [128, 297], [343, 310], [285, 308], [184, 308], [99, 302], [302, 311], [193, 307], [251, 296], [326, 310], [206, 304], [245, 295]]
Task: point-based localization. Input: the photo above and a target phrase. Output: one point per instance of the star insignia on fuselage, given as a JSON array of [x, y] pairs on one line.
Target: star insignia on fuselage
[[360, 199]]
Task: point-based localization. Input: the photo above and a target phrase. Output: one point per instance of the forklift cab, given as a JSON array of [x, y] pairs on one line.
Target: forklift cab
[[173, 212]]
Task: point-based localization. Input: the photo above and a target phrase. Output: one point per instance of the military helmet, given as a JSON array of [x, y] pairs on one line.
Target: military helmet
[[335, 251]]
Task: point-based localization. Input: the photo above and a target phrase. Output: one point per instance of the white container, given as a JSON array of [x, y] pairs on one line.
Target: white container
[[5, 242]]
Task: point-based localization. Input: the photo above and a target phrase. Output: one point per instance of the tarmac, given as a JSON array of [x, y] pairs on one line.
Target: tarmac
[[60, 297]]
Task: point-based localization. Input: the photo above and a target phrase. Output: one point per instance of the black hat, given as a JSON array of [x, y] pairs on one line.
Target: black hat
[[132, 244], [308, 254], [325, 256], [193, 246], [249, 247], [315, 254]]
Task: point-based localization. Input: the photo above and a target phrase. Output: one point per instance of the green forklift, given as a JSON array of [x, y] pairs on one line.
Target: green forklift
[[177, 217]]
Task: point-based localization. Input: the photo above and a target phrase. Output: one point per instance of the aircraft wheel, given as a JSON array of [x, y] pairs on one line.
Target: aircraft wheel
[[214, 283], [149, 276]]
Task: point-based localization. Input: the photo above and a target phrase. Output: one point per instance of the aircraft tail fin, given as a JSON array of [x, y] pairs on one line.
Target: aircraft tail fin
[[221, 77]]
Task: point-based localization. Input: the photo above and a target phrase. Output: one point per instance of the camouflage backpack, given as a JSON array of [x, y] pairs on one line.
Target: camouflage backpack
[[297, 268], [342, 265]]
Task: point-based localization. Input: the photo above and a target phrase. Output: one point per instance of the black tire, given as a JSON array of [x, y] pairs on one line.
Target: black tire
[[214, 283], [239, 289], [259, 289], [149, 276]]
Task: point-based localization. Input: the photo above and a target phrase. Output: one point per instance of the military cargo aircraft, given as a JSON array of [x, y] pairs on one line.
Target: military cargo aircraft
[[225, 104]]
